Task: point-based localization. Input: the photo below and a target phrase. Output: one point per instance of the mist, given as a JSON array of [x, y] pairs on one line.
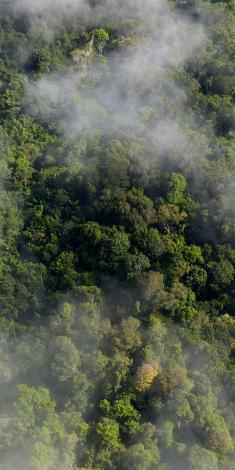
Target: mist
[[131, 83], [116, 336]]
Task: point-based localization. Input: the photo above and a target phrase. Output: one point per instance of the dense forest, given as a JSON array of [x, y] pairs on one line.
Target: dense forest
[[117, 242]]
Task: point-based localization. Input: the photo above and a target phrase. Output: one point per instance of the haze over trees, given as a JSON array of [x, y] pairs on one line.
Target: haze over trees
[[117, 235]]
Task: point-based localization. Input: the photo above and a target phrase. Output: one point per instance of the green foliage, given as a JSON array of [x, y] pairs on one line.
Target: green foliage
[[66, 359], [117, 239], [139, 458], [108, 430], [101, 37], [202, 458]]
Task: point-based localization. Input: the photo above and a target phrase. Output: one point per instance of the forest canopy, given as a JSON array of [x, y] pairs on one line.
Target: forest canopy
[[117, 235]]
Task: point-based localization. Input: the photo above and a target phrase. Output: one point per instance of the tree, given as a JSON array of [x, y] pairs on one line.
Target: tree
[[136, 262], [33, 407], [38, 423], [174, 377], [211, 425], [66, 359], [101, 37], [114, 165], [145, 376], [65, 319], [126, 335], [140, 458], [218, 438], [148, 285], [117, 235], [203, 459], [149, 242], [102, 248], [23, 172], [176, 187], [108, 432], [64, 267], [81, 390], [166, 433], [125, 413], [222, 272], [169, 217]]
